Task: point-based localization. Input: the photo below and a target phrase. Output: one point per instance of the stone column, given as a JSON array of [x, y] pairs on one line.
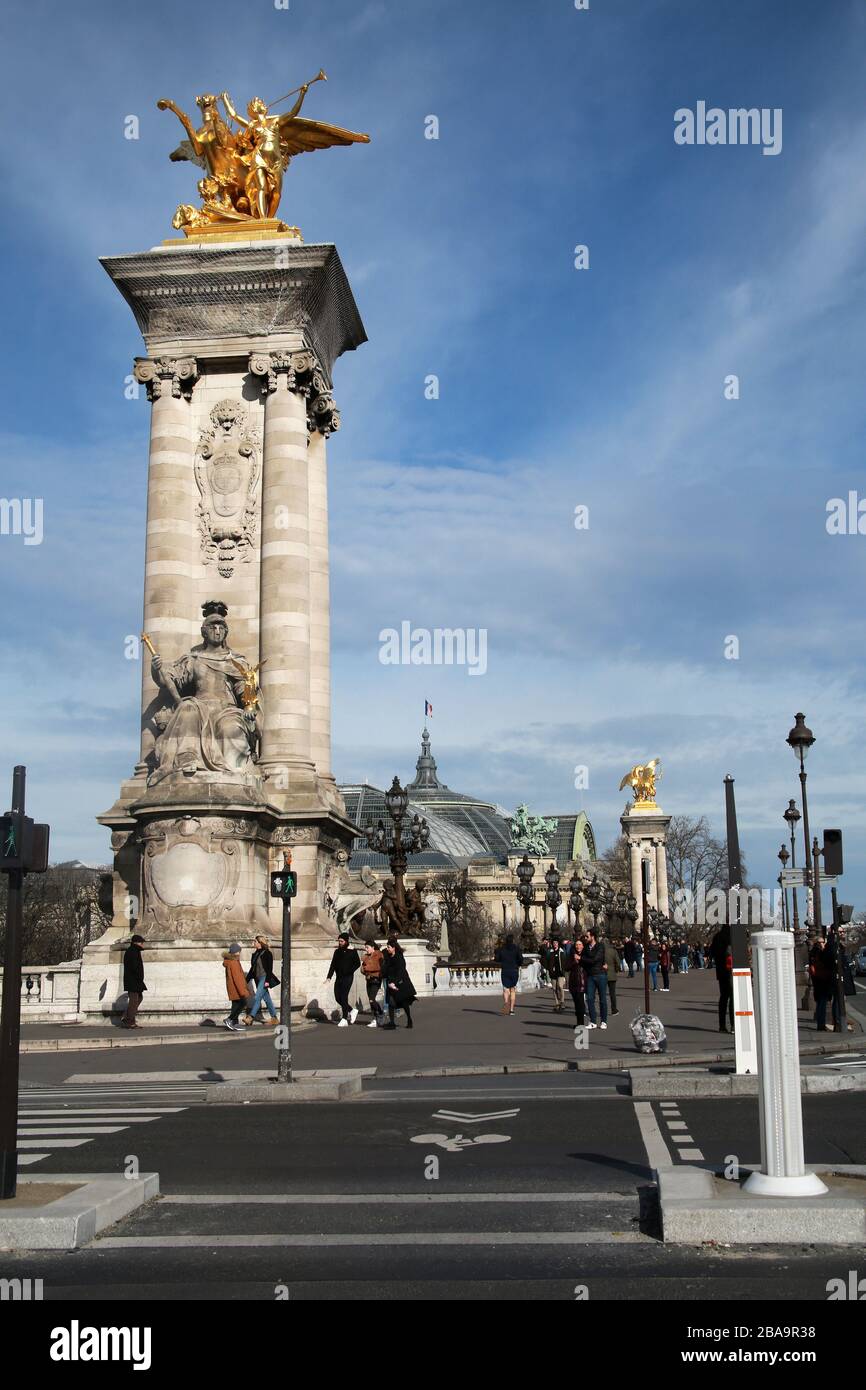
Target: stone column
[[662, 876], [320, 602], [634, 863], [284, 593], [168, 571]]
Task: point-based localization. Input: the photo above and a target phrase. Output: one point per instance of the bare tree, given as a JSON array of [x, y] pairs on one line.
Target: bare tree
[[61, 913], [694, 855], [470, 929]]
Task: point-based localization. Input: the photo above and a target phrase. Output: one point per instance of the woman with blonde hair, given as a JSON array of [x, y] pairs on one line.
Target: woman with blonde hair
[[261, 975]]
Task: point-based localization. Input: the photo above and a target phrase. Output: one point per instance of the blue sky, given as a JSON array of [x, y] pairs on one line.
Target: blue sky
[[558, 387]]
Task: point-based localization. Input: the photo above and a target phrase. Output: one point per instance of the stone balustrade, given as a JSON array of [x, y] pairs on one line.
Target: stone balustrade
[[49, 992], [482, 977]]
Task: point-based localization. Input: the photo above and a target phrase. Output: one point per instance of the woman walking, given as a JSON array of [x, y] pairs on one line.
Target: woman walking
[[261, 976], [399, 990], [344, 963], [577, 982], [236, 987], [371, 969], [509, 958], [665, 963]]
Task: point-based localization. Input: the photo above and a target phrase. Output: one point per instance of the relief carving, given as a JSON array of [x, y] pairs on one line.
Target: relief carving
[[227, 471]]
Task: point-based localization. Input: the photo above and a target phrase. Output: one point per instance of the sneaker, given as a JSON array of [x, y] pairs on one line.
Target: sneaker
[[602, 1025], [353, 1014], [344, 1023], [227, 1023], [235, 1027], [590, 1025], [389, 1025], [374, 1024]]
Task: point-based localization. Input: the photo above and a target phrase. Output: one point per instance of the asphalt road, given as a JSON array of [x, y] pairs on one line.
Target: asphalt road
[[505, 1187]]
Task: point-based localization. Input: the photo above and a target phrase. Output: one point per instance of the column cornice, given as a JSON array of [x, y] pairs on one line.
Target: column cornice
[[180, 373], [301, 373]]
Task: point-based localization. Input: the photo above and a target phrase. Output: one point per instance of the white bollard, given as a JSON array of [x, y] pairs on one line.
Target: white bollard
[[783, 1170]]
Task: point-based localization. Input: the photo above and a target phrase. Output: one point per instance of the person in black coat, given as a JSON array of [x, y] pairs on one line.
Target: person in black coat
[[344, 962], [133, 981], [261, 976], [509, 958], [399, 990]]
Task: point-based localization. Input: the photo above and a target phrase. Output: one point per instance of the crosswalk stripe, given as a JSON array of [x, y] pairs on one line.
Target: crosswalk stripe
[[82, 1111], [55, 1143], [24, 1159], [78, 1129], [152, 1112], [316, 1199], [34, 1117]]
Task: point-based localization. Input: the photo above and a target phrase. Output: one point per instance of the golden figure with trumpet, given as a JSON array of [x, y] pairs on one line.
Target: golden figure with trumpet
[[642, 780], [244, 167]]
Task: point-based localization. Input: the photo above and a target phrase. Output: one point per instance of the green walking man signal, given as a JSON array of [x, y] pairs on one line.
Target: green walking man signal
[[284, 883]]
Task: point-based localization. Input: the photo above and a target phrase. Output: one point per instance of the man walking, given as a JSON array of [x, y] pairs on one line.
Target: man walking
[[720, 954], [629, 952], [557, 970], [133, 981], [613, 961], [596, 979]]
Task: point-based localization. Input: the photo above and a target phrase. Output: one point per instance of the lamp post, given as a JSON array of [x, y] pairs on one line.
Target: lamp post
[[553, 897], [800, 739], [575, 898], [792, 816], [784, 856], [397, 848], [594, 900]]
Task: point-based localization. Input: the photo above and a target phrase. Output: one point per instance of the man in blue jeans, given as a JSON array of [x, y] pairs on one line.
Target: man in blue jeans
[[596, 979]]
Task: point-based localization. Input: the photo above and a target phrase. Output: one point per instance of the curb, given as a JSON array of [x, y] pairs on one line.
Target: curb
[[215, 1034], [628, 1063], [698, 1208], [282, 1093], [650, 1085], [99, 1200]]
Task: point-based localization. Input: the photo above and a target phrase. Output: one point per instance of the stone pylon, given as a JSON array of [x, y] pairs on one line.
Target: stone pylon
[[645, 827], [240, 343]]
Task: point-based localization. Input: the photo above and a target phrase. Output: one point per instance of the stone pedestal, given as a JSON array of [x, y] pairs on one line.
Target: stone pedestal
[[645, 827], [241, 340]]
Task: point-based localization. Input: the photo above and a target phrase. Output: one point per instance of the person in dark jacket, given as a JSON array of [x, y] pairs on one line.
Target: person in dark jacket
[[665, 963], [614, 965], [399, 990], [822, 970], [629, 952], [509, 959], [133, 981], [261, 976], [652, 960], [719, 952], [577, 981], [596, 979], [344, 962], [556, 965], [371, 969]]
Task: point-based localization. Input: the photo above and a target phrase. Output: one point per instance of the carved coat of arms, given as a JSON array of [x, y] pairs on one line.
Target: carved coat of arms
[[227, 471]]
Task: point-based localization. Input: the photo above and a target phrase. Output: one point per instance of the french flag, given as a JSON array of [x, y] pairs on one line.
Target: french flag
[[428, 709]]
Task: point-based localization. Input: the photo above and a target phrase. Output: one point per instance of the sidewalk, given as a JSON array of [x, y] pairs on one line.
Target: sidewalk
[[468, 1033]]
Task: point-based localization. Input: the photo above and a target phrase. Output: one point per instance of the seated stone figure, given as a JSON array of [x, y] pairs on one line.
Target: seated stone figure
[[208, 728]]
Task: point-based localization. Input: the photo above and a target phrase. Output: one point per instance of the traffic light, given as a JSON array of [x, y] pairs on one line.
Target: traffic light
[[11, 842], [23, 844], [833, 853], [284, 883]]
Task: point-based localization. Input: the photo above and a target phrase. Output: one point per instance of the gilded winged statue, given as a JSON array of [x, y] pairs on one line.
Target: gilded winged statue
[[642, 780], [244, 167]]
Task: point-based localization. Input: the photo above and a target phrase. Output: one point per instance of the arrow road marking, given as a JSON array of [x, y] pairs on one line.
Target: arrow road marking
[[475, 1119]]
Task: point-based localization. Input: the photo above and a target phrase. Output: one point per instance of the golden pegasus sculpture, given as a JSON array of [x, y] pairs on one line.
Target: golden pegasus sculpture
[[642, 780]]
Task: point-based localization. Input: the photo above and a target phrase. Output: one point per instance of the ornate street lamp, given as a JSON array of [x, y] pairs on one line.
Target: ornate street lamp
[[800, 739], [792, 816], [784, 856], [594, 900], [575, 898], [553, 897], [397, 849]]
